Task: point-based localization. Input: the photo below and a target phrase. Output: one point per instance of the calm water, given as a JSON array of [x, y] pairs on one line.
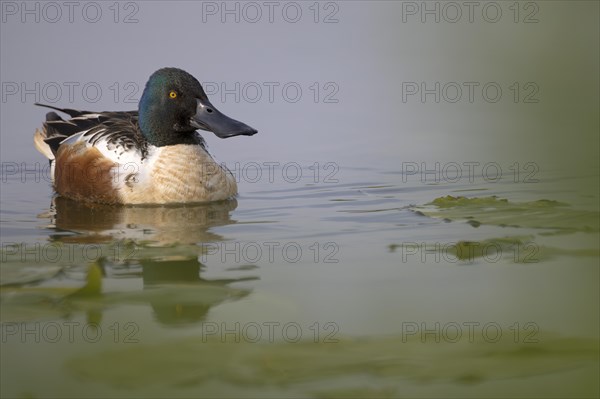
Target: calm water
[[328, 286], [332, 274]]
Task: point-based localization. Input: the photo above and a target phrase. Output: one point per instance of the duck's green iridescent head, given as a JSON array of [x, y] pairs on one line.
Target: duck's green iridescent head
[[174, 105]]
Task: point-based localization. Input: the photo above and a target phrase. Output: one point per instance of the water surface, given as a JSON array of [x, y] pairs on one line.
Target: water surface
[[335, 288]]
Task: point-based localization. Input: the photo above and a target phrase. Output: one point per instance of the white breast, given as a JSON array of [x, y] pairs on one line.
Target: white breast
[[174, 174]]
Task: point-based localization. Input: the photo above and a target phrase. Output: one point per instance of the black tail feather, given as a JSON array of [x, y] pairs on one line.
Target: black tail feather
[[54, 142], [53, 116], [71, 112]]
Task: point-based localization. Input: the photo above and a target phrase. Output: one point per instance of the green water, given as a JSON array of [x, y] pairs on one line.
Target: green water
[[375, 284]]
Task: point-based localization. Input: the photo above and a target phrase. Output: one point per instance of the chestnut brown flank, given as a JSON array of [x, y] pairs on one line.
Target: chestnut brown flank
[[83, 174]]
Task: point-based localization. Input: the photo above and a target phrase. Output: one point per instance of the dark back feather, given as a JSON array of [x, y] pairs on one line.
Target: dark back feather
[[118, 128]]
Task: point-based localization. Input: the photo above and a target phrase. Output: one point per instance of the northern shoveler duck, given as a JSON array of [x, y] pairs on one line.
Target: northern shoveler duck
[[150, 156]]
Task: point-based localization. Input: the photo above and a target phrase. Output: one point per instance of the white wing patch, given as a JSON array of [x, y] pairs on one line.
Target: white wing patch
[[109, 145]]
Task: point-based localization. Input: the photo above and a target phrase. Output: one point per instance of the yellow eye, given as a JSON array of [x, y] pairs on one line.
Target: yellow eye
[[172, 94]]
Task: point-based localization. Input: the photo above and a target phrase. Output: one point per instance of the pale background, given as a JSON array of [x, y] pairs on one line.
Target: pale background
[[367, 52]]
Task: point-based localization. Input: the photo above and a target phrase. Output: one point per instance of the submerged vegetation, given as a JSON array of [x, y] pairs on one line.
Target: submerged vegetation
[[542, 214]]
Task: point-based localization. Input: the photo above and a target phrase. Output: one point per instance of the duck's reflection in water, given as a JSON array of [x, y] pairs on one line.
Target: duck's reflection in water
[[166, 225], [167, 242]]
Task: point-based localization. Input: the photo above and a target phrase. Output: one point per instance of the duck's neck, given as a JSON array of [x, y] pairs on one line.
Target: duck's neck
[[160, 130]]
